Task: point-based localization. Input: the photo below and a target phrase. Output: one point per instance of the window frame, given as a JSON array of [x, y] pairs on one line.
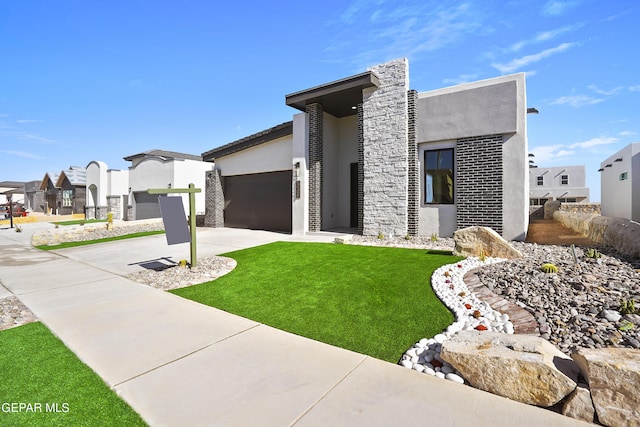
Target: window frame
[[426, 174], [540, 180], [67, 202], [564, 179]]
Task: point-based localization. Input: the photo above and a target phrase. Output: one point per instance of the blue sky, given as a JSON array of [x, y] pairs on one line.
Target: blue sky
[[83, 81]]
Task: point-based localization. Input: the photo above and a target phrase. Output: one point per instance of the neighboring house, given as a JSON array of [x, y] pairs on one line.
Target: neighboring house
[[370, 154], [64, 193], [13, 190], [72, 183], [620, 184], [34, 197], [163, 169], [563, 183], [52, 194], [107, 191]]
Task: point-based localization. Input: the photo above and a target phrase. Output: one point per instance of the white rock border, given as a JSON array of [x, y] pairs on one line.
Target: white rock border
[[470, 312]]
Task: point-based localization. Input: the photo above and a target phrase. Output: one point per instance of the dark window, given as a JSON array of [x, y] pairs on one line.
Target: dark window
[[439, 178], [564, 179], [623, 176], [540, 180]]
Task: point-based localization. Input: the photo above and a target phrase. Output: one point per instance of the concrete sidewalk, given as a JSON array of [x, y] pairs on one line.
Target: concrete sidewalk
[[177, 362]]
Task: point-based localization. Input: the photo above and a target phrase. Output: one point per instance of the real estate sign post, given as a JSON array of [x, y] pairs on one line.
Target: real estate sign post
[[192, 190]]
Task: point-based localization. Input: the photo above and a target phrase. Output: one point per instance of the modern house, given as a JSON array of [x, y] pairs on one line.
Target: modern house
[[107, 191], [367, 153], [620, 183], [163, 169], [65, 193], [34, 197], [562, 183]]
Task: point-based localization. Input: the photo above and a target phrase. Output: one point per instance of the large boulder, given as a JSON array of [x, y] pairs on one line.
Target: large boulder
[[524, 368], [579, 405], [477, 241], [613, 375]]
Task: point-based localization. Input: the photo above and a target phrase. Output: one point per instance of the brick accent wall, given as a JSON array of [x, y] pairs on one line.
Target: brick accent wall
[[478, 182], [214, 199], [385, 158], [315, 113], [414, 168], [360, 170]]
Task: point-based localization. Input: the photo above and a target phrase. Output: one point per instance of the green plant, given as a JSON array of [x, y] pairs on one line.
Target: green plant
[[183, 263], [380, 235], [407, 237], [18, 229], [82, 222], [57, 225], [592, 253], [628, 307], [625, 325], [549, 268], [434, 237], [483, 255]]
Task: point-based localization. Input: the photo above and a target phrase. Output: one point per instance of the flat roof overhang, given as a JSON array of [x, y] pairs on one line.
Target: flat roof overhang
[[337, 98]]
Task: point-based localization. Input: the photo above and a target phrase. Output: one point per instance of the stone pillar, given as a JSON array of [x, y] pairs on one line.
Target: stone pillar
[[385, 158], [478, 182], [214, 199], [360, 170], [115, 203], [315, 113]]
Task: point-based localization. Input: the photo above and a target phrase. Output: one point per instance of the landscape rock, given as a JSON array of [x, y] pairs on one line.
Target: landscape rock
[[483, 241], [613, 375], [579, 405], [524, 368]]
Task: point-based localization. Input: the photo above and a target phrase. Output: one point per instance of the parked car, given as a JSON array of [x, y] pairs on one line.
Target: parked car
[[4, 212], [18, 210]]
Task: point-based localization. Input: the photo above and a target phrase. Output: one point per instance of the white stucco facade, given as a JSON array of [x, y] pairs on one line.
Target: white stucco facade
[[620, 183], [107, 191], [563, 183]]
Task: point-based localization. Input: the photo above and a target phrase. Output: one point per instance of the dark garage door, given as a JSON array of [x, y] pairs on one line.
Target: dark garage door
[[260, 201], [147, 205]]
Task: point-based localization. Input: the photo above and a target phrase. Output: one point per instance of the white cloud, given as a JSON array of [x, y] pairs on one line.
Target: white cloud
[[577, 101], [626, 133], [549, 153], [27, 136], [463, 78], [557, 7], [594, 142], [22, 121], [635, 88], [20, 154], [614, 91], [518, 63]]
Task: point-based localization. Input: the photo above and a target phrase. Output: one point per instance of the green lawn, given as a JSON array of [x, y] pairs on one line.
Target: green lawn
[[91, 242], [373, 300], [37, 369], [79, 221]]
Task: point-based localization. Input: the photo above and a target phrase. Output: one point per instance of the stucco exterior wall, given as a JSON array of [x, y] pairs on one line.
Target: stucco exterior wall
[[97, 176], [300, 150], [268, 157], [621, 198], [490, 107], [553, 188], [192, 171]]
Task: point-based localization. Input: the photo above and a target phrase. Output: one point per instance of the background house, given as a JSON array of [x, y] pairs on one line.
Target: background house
[[563, 183], [620, 183], [52, 194], [107, 191], [371, 155], [34, 197], [72, 185], [163, 169]]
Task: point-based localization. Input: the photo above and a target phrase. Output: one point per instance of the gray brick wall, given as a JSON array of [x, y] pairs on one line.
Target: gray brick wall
[[385, 157], [214, 199], [414, 168], [360, 170], [316, 176], [479, 182]]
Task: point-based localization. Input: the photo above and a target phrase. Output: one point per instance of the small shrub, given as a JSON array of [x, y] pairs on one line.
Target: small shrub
[[407, 237], [628, 307], [57, 225], [18, 229], [380, 235], [549, 268], [483, 255], [183, 263], [434, 237], [625, 325], [592, 253], [82, 222]]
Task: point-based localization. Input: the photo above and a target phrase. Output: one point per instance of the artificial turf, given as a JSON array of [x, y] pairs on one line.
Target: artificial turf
[[44, 384], [373, 300]]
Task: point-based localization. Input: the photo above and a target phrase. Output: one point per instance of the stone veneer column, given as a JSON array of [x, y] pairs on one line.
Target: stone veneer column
[[214, 200], [315, 112], [385, 159], [478, 182], [414, 172], [360, 170]]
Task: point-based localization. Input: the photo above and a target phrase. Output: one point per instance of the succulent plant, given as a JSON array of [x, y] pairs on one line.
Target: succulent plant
[[592, 253], [549, 268]]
